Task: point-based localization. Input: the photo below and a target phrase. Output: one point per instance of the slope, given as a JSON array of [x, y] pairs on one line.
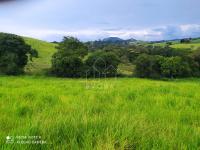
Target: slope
[[45, 50]]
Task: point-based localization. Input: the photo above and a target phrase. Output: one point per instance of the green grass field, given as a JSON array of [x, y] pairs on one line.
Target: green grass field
[[45, 50], [194, 45], [106, 114]]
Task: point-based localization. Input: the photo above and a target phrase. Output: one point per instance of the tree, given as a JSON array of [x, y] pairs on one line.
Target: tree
[[67, 66], [102, 64], [158, 66], [194, 62], [148, 66], [175, 67], [14, 54], [72, 46], [67, 61], [187, 40], [169, 43]]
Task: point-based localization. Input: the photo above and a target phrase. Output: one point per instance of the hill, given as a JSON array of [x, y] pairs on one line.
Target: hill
[[116, 40], [45, 50], [112, 39], [194, 45]]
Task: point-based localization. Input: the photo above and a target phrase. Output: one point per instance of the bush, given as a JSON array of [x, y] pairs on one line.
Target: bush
[[185, 40], [67, 62], [67, 66], [194, 62], [148, 66], [154, 66], [166, 51], [102, 64], [13, 54], [175, 67]]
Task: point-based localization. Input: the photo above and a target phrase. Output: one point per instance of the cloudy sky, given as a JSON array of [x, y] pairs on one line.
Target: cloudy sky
[[96, 19]]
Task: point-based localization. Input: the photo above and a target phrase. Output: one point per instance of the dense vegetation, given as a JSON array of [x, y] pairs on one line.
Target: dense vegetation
[[14, 54], [103, 60], [69, 61], [158, 61], [76, 59], [102, 64]]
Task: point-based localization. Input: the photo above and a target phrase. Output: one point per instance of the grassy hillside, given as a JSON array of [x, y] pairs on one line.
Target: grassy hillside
[[194, 45], [106, 114], [46, 50]]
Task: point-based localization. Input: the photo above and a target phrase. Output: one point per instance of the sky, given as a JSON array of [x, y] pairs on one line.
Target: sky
[[147, 20]]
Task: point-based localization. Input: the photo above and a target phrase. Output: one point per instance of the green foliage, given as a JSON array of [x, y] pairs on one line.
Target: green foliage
[[148, 66], [126, 53], [120, 51], [154, 66], [165, 51], [33, 53], [67, 66], [66, 62], [72, 46], [159, 62], [174, 67], [14, 54], [102, 64], [188, 40]]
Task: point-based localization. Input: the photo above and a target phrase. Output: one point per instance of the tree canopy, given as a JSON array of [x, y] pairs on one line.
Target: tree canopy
[[14, 54]]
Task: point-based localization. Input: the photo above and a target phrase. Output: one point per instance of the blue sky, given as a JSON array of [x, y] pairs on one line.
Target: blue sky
[[95, 19]]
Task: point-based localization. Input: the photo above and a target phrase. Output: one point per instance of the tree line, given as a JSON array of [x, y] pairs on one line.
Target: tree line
[[76, 59]]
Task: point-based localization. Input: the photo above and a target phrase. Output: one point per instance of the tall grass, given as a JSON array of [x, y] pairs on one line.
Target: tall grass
[[107, 114]]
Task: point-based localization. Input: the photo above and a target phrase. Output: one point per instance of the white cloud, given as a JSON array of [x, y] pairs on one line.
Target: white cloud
[[159, 33], [187, 27]]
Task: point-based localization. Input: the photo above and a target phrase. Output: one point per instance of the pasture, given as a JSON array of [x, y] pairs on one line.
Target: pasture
[[124, 113]]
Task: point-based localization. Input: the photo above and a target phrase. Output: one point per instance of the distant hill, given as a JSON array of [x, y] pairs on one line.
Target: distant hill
[[118, 40], [194, 43], [112, 39]]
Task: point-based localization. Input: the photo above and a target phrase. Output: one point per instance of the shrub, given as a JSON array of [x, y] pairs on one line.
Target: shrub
[[13, 54], [188, 40], [166, 51], [154, 66], [67, 62], [102, 64], [67, 66], [175, 67], [148, 66]]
